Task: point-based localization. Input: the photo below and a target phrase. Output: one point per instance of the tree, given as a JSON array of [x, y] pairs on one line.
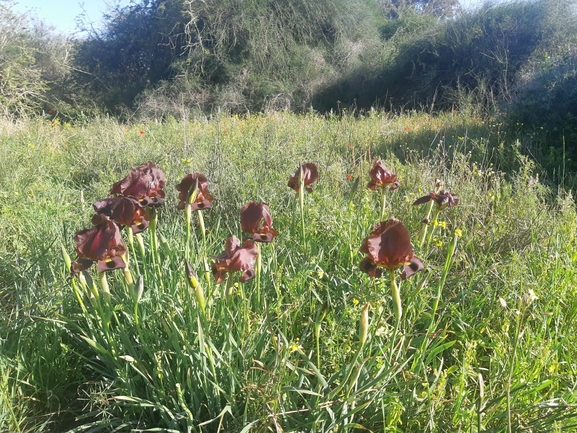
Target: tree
[[438, 8], [233, 54], [21, 85], [136, 49]]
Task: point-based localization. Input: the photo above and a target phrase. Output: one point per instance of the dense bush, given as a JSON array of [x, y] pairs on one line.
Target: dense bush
[[542, 107], [21, 84], [168, 59], [35, 66], [439, 8], [267, 55], [136, 48], [161, 59], [486, 341], [471, 62]]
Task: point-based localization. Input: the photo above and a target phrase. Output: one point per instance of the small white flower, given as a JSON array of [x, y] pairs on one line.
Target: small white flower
[[530, 297]]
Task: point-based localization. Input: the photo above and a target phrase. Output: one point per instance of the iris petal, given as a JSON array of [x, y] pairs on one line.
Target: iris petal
[[389, 246], [235, 258], [255, 219], [310, 175], [382, 177], [101, 243], [145, 183], [186, 188]]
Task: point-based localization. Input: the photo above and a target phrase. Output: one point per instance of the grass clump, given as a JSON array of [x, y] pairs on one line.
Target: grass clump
[[479, 340]]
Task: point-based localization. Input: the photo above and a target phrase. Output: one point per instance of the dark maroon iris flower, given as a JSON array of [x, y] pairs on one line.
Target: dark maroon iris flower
[[443, 199], [382, 177], [186, 188], [256, 220], [310, 175], [144, 183], [389, 246], [124, 211], [235, 258], [102, 244]]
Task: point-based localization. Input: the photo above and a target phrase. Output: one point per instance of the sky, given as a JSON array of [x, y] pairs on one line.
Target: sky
[[62, 14]]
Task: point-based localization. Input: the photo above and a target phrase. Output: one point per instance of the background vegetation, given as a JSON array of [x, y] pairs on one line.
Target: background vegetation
[[153, 60], [245, 91], [494, 357]]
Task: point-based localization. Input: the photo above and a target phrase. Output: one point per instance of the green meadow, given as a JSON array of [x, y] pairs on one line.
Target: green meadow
[[485, 342]]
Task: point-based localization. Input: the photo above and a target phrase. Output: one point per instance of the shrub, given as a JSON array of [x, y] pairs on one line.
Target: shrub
[[21, 85], [542, 108], [469, 62]]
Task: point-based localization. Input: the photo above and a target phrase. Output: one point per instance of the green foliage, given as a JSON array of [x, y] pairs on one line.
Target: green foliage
[[438, 8], [35, 65], [232, 55], [471, 62], [268, 55], [21, 86], [136, 48], [12, 410], [542, 108], [475, 351], [176, 59]]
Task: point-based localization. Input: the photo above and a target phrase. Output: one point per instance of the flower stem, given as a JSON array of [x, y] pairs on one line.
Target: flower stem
[[126, 270], [105, 287], [434, 224], [187, 211], [258, 271], [364, 327], [152, 229], [383, 203], [230, 285], [426, 223], [398, 311], [396, 296], [137, 292], [446, 267], [207, 271], [68, 264], [78, 296], [302, 205], [154, 246], [130, 234], [201, 225]]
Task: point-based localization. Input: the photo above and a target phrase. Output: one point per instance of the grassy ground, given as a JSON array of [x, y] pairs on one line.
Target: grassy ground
[[485, 343]]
